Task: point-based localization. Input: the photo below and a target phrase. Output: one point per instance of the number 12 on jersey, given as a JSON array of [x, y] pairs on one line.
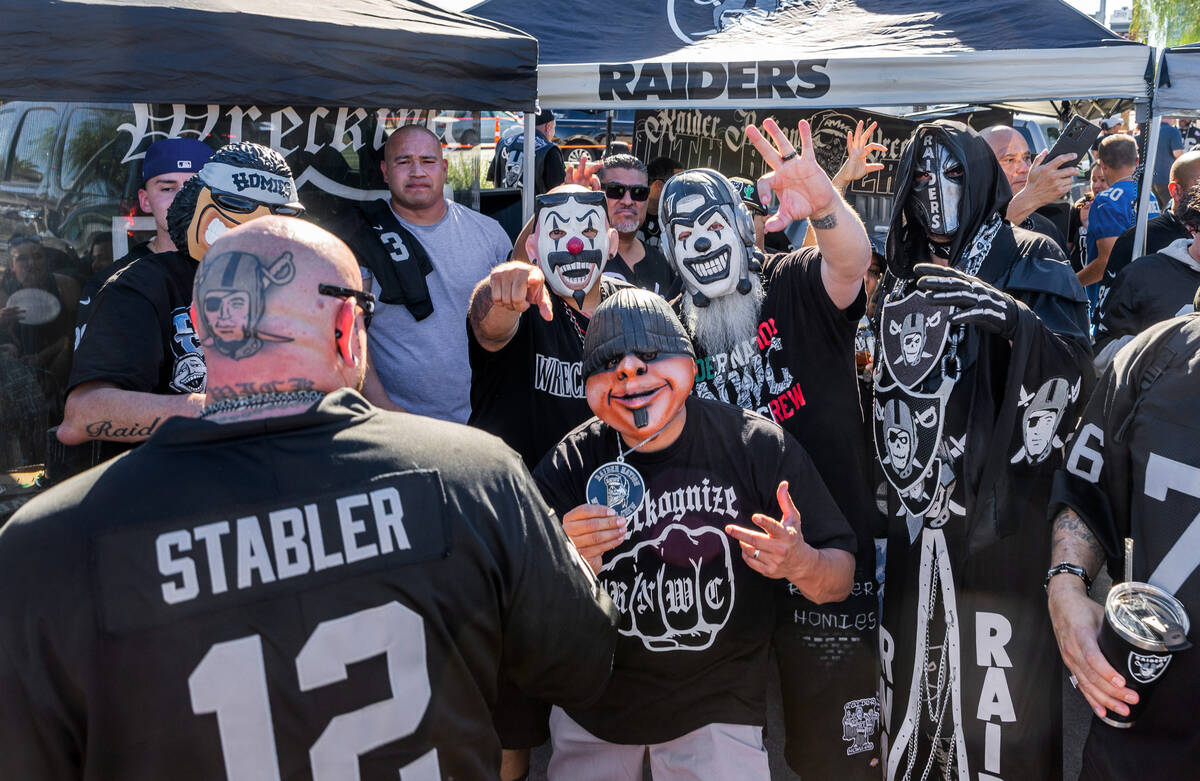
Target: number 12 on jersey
[[231, 682]]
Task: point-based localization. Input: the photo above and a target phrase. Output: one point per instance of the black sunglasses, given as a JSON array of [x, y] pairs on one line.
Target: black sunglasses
[[638, 192], [365, 300], [558, 199], [243, 205]]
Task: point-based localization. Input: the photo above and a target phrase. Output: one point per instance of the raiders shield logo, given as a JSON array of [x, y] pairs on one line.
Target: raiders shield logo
[[1146, 668], [908, 427], [913, 333]]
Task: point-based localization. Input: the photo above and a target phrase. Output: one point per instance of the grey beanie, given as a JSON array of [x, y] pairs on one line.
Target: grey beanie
[[632, 321]]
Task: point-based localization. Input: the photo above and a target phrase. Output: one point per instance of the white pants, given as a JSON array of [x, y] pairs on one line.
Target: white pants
[[714, 752]]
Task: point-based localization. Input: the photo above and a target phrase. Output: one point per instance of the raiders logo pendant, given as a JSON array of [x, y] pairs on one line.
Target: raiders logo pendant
[[617, 485]]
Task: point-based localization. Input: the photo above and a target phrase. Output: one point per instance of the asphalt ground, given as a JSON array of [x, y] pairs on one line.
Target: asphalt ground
[[1077, 717]]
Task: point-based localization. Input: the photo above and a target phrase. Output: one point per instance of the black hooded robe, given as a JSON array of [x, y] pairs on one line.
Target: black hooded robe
[[970, 672]]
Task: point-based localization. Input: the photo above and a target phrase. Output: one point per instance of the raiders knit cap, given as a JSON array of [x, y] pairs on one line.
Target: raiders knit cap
[[632, 321]]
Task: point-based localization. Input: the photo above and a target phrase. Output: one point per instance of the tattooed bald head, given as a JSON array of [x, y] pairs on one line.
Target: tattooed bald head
[[274, 310]]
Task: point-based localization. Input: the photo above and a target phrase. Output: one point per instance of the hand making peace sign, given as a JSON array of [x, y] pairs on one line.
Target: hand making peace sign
[[804, 190]]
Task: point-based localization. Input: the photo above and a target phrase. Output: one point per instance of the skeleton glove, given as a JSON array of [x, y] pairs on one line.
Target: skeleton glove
[[977, 302]]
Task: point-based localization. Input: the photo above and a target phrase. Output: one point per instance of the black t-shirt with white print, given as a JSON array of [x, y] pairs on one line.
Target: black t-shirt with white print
[[139, 335], [530, 392], [695, 620]]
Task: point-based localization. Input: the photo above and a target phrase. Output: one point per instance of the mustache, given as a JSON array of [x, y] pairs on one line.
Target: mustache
[[562, 258]]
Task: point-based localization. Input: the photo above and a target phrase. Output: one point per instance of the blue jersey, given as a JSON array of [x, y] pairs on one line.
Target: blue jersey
[[1113, 213]]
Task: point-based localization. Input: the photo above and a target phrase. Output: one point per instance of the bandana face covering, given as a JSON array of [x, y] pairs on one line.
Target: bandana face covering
[[937, 189], [572, 242]]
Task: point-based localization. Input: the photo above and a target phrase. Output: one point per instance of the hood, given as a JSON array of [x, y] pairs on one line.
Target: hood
[[1178, 250], [985, 192]]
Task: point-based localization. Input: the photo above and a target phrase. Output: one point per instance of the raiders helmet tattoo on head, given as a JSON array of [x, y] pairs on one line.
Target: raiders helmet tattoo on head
[[709, 235], [572, 241], [230, 295]]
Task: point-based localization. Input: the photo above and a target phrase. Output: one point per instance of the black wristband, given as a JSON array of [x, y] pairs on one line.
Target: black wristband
[[1074, 569]]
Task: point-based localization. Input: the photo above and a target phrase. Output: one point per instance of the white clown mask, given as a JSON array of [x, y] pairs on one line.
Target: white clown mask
[[711, 236], [937, 188], [572, 241]]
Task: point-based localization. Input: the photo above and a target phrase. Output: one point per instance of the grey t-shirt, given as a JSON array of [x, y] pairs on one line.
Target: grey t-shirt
[[423, 365]]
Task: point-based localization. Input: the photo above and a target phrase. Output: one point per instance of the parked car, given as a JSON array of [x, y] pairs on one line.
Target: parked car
[[460, 128], [586, 130], [60, 170]]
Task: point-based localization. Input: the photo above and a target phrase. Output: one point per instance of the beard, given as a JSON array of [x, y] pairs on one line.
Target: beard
[[727, 321], [626, 225]]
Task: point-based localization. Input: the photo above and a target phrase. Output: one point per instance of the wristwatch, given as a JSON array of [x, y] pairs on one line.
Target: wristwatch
[[1074, 569]]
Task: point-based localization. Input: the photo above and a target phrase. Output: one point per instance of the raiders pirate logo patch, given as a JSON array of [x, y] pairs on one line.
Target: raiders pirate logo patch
[[1041, 413], [913, 336], [1146, 668], [907, 427], [617, 485]]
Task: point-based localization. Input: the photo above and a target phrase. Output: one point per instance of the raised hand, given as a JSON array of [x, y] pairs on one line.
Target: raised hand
[[804, 190], [584, 173], [517, 286], [978, 303], [858, 149], [779, 550], [594, 529]]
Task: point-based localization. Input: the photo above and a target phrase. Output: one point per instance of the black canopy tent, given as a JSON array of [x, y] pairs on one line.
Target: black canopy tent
[[299, 53], [823, 53]]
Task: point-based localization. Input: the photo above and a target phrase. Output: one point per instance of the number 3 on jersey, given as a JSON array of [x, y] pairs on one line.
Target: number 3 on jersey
[[231, 682]]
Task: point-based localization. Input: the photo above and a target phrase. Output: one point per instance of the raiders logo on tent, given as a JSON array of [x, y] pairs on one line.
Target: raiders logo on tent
[[908, 427], [914, 332]]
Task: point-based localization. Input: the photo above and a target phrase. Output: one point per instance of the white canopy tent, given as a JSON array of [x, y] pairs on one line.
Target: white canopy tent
[[1177, 95]]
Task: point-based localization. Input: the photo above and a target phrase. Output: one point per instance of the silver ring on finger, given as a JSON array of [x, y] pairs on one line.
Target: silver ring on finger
[[756, 552], [789, 155], [1074, 681]]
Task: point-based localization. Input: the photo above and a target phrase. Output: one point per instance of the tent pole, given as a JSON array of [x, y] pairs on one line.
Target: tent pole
[[1139, 237], [608, 132], [528, 186]]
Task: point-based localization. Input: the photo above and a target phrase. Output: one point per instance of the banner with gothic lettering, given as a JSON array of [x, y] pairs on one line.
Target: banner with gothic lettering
[[717, 139]]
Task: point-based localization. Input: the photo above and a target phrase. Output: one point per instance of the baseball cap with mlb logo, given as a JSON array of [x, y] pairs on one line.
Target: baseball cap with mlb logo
[[174, 155]]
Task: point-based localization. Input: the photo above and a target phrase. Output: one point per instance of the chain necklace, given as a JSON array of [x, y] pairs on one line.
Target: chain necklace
[[618, 485], [257, 401], [621, 452], [578, 330]]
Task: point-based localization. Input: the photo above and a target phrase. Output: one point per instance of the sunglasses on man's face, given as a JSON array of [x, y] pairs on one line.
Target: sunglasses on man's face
[[363, 298], [240, 204], [638, 192]]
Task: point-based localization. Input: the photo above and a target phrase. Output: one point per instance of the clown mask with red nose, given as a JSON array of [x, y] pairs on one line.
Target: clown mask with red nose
[[571, 240]]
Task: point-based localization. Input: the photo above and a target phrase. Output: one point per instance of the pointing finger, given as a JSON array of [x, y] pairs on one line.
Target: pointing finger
[[776, 134]]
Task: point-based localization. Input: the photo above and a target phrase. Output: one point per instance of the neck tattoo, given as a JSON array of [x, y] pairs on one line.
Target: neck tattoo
[[259, 401]]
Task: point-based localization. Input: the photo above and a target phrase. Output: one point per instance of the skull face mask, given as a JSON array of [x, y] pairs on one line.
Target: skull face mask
[[572, 241], [937, 189], [711, 235]]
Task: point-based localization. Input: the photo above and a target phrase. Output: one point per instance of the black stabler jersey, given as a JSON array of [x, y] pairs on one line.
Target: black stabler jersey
[[320, 596], [530, 392], [139, 335], [1133, 470]]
